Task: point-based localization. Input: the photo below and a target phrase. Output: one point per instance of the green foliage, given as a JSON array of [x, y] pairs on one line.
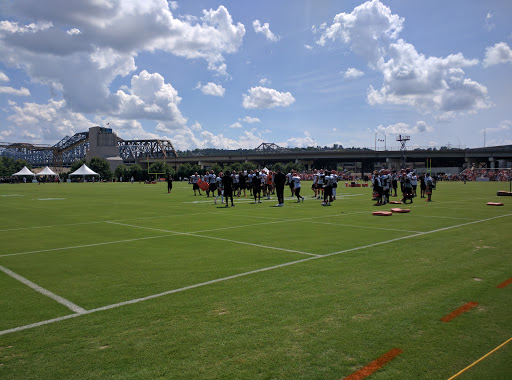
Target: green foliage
[[136, 172], [9, 166], [121, 172], [101, 166], [216, 168], [185, 171], [76, 165]]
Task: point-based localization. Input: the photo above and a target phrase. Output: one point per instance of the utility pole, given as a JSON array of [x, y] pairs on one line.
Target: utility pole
[[403, 140]]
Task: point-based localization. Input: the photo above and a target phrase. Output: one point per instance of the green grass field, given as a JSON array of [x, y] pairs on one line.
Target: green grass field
[[124, 281]]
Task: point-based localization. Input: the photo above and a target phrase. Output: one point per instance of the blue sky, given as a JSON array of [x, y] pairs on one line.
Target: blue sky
[[233, 74]]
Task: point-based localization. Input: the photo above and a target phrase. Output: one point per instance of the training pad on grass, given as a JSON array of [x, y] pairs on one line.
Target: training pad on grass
[[400, 210], [495, 204], [382, 213], [395, 202]]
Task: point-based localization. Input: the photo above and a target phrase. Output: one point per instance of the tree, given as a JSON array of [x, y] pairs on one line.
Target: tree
[[216, 168], [76, 165], [185, 170], [136, 172], [101, 166], [121, 172]]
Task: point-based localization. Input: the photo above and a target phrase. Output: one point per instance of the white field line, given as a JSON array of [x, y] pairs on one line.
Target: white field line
[[418, 234], [42, 323], [103, 221], [371, 228], [218, 238], [85, 245], [70, 305], [151, 237]]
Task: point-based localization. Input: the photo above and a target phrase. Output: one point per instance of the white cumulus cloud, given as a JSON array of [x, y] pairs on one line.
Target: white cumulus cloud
[[262, 97], [499, 53], [251, 120], [433, 85], [265, 30], [353, 73], [212, 89], [404, 128], [14, 91]]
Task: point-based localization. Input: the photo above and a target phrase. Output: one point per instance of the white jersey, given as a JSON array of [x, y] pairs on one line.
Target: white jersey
[[321, 179], [194, 178], [289, 177], [414, 180], [296, 182], [219, 182]]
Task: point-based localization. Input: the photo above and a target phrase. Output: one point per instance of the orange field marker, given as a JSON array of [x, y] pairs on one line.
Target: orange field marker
[[505, 283], [375, 365], [459, 311]]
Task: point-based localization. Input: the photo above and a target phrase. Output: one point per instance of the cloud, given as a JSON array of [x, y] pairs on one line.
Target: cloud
[[308, 47], [499, 53], [489, 25], [265, 82], [503, 126], [401, 128], [430, 84], [3, 77], [211, 89], [262, 97], [187, 139], [265, 30], [299, 142], [236, 125], [149, 98], [251, 120], [13, 91], [45, 122], [353, 73], [73, 32], [80, 49]]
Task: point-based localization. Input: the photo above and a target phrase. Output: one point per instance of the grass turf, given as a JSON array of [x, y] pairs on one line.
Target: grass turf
[[385, 283]]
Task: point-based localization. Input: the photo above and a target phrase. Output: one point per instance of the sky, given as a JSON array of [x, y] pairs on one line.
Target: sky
[[233, 74]]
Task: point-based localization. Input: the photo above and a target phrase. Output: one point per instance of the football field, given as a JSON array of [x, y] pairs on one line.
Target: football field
[[126, 281]]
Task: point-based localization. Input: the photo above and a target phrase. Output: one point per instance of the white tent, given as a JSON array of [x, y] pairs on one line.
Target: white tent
[[47, 171], [84, 170], [24, 171]]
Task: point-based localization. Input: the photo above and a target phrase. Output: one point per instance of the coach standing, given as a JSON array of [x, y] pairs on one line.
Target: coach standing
[[227, 184], [279, 181]]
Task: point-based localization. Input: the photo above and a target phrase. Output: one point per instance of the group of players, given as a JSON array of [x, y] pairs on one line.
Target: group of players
[[385, 185], [261, 183]]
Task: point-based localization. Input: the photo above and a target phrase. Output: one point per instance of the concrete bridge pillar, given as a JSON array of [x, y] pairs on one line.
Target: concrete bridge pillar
[[493, 162]]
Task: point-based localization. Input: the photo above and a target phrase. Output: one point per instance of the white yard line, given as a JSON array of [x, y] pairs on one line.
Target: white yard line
[[217, 238], [370, 228], [42, 323], [70, 305], [86, 245]]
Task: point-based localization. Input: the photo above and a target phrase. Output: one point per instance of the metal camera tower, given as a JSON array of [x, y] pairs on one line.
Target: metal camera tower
[[403, 140]]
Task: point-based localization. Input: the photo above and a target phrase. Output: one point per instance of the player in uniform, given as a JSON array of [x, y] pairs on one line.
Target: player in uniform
[[296, 185], [193, 180]]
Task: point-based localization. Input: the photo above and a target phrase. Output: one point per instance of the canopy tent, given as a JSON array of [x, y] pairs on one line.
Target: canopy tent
[[24, 171], [47, 171], [84, 170]]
